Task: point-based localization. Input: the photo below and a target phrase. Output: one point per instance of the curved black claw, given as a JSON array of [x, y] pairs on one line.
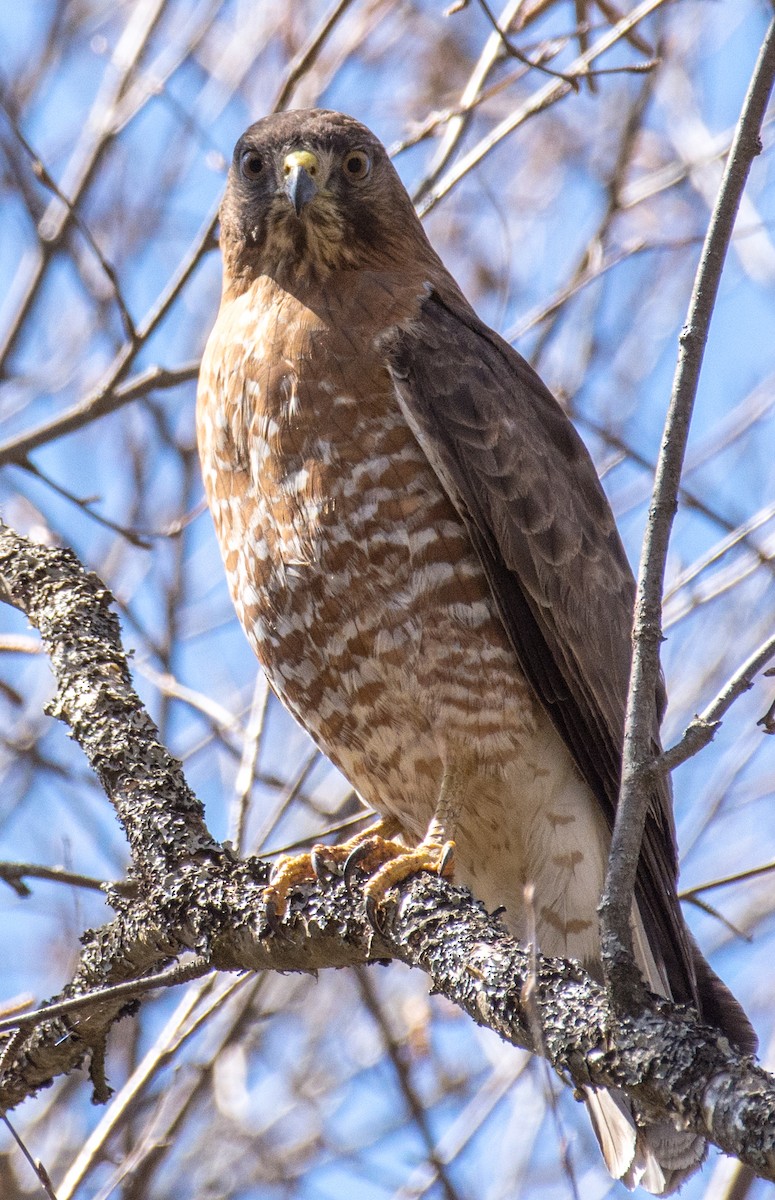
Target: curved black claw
[[447, 857], [321, 865], [272, 918], [375, 914], [352, 862]]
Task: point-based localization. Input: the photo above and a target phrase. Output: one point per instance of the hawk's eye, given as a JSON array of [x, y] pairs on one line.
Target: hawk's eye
[[357, 164], [250, 164]]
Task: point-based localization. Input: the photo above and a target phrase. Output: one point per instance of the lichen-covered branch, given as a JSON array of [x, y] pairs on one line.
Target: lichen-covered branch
[[638, 763], [191, 895]]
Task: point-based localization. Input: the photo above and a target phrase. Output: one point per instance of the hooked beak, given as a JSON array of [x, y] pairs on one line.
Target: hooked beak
[[299, 170]]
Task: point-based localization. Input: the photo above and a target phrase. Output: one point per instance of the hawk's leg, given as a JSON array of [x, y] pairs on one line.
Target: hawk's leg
[[436, 852], [375, 853], [291, 870]]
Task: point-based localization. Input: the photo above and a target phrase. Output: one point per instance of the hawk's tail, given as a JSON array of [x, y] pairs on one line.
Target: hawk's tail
[[718, 1006], [655, 1157]]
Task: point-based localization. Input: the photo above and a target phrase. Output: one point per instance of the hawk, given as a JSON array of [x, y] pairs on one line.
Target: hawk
[[425, 563]]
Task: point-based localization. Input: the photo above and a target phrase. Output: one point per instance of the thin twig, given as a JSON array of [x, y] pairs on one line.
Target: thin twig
[[97, 137], [702, 730], [196, 1005], [41, 172], [513, 51], [14, 874], [169, 686], [396, 1053], [727, 880], [180, 973], [710, 911], [40, 1171], [637, 762], [236, 998], [110, 395], [308, 53], [552, 91], [472, 95], [85, 505], [246, 773], [467, 1125], [19, 643]]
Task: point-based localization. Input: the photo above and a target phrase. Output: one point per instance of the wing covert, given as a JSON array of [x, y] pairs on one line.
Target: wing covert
[[526, 488], [524, 483]]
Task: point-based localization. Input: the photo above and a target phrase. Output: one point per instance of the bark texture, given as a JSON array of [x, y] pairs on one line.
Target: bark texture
[[189, 895]]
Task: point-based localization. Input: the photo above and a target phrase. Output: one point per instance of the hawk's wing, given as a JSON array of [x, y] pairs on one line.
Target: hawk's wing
[[523, 482]]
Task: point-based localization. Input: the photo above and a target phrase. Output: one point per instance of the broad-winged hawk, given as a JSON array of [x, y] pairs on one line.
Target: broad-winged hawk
[[426, 565]]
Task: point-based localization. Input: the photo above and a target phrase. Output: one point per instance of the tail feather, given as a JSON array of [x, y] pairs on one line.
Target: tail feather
[[719, 1006], [614, 1127], [555, 817], [656, 1157]]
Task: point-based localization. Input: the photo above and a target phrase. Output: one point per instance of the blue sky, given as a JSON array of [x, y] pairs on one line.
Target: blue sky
[[512, 233]]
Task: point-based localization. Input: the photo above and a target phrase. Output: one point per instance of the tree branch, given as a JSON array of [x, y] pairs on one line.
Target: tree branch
[[106, 398], [192, 895], [702, 730], [550, 93], [638, 764]]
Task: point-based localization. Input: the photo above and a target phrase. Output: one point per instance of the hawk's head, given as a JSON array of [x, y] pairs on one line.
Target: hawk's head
[[312, 191]]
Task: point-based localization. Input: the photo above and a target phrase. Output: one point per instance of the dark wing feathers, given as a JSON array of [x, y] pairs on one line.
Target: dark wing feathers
[[523, 481], [526, 487]]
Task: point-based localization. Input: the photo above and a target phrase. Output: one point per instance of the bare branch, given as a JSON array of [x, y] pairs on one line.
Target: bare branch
[[40, 172], [14, 875], [307, 55], [97, 136], [37, 1167], [703, 728], [737, 877], [107, 397], [193, 896], [513, 51], [638, 764], [181, 973], [549, 94], [411, 1097]]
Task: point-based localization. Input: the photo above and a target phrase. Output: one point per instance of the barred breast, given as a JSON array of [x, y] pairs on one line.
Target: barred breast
[[351, 571], [361, 593]]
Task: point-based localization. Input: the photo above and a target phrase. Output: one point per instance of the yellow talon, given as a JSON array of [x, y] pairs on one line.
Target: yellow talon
[[436, 857], [387, 862], [288, 872]]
